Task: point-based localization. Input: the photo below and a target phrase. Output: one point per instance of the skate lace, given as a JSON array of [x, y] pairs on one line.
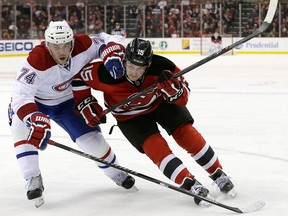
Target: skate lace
[[222, 181], [34, 183], [197, 188], [120, 178]]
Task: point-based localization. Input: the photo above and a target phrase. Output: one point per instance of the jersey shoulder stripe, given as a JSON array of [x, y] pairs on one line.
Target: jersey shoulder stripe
[[82, 42], [40, 58]]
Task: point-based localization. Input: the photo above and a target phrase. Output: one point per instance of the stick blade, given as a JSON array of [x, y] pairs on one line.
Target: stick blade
[[271, 11], [253, 207]]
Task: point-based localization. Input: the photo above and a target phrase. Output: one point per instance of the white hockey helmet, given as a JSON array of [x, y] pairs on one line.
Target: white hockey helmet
[[58, 32]]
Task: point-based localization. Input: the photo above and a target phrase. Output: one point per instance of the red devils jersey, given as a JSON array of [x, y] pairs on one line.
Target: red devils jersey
[[216, 39], [94, 75]]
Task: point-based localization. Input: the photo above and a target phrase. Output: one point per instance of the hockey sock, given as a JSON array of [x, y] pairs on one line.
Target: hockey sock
[[94, 143], [157, 149], [192, 141], [28, 159]]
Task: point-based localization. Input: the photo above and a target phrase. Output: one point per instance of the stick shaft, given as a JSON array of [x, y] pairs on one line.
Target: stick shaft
[[140, 175]]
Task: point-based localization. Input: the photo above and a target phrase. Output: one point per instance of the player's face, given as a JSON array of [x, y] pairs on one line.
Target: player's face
[[60, 52], [134, 72]]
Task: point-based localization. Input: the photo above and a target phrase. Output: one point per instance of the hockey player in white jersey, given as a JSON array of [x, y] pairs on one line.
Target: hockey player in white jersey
[[42, 92]]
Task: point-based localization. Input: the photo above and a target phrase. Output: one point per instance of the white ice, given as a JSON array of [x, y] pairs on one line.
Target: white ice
[[240, 106]]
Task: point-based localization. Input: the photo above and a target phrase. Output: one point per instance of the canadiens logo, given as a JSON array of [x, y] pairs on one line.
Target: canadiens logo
[[62, 86]]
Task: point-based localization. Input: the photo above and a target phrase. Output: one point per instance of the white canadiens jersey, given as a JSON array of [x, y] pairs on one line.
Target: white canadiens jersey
[[41, 79]]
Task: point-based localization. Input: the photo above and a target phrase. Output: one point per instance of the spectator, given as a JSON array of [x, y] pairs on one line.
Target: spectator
[[228, 19], [185, 2], [133, 11], [254, 14], [139, 30], [118, 30], [13, 30], [162, 4]]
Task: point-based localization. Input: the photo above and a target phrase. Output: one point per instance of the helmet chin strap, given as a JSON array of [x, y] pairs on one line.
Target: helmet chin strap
[[136, 82]]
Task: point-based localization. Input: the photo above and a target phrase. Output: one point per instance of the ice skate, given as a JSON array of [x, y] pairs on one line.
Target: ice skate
[[34, 190], [124, 180], [224, 183], [197, 188]]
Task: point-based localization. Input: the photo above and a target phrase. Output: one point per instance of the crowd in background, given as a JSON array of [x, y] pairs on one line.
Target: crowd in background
[[152, 19]]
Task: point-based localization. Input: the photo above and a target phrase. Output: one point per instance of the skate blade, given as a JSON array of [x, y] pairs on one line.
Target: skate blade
[[39, 201], [133, 189], [232, 193], [206, 204]]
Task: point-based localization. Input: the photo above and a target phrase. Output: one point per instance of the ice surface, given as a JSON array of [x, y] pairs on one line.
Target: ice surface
[[240, 106]]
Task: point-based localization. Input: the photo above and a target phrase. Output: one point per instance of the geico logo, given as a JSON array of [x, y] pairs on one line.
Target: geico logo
[[16, 46]]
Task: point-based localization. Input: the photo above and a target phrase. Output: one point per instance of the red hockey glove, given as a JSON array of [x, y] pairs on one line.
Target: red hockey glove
[[112, 56], [91, 111], [40, 130], [169, 86]]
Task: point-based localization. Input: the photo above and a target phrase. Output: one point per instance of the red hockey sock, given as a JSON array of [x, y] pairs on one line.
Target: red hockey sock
[[192, 141], [157, 149]]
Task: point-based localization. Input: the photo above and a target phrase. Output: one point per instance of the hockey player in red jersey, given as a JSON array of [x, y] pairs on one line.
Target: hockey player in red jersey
[[138, 120], [42, 91], [216, 43]]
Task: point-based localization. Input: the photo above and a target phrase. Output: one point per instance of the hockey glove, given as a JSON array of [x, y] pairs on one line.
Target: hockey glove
[[112, 56], [91, 111], [40, 130], [171, 87]]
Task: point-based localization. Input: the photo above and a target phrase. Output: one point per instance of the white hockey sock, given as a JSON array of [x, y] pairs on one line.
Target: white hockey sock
[[94, 143], [28, 159]]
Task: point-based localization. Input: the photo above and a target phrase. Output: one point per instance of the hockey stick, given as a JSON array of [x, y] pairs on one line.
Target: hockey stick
[[267, 21], [253, 207]]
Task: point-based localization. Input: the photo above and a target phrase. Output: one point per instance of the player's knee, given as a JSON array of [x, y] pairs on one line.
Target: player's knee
[[20, 134], [93, 143], [156, 148], [188, 129], [19, 130], [189, 138]]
